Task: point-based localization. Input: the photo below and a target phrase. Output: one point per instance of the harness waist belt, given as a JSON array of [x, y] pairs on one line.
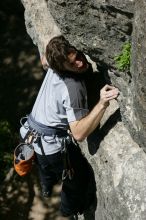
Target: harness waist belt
[[43, 129]]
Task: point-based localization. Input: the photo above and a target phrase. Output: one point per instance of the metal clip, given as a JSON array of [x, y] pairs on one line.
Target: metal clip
[[67, 172], [64, 174], [32, 136], [23, 123]]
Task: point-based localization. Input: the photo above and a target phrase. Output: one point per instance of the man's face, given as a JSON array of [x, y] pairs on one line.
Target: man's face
[[76, 62]]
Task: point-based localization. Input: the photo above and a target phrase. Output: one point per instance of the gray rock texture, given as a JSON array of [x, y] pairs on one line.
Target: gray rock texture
[[119, 166], [99, 28], [138, 69], [40, 24]]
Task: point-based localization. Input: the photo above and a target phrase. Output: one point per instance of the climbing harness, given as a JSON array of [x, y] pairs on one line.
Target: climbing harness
[[37, 131]]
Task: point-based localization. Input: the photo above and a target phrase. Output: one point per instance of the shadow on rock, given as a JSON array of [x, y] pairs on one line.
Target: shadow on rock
[[98, 135]]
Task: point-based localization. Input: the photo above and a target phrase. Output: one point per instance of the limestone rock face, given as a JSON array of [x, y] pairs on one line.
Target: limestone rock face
[[99, 28], [119, 166], [139, 69], [39, 22]]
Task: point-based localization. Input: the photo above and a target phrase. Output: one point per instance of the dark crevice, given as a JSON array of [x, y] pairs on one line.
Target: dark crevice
[[110, 8]]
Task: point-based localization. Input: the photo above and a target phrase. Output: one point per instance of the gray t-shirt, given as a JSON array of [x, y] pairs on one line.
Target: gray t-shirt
[[59, 102]]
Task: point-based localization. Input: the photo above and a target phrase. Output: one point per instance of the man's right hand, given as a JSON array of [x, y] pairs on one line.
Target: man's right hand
[[82, 128], [108, 93]]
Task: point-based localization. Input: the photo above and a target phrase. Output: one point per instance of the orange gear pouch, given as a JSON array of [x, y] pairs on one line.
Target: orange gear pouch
[[23, 158]]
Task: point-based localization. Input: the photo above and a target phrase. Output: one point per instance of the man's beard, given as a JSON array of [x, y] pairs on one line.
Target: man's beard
[[73, 71], [77, 74]]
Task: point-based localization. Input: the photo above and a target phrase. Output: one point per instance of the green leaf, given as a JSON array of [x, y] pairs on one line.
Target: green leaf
[[122, 61]]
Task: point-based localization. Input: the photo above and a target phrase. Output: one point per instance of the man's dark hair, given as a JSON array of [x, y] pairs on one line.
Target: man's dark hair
[[56, 53]]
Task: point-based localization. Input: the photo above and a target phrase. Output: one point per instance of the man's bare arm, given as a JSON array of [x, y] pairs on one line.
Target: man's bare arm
[[82, 128]]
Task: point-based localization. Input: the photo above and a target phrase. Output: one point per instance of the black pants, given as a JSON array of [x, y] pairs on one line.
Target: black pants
[[77, 194], [50, 170]]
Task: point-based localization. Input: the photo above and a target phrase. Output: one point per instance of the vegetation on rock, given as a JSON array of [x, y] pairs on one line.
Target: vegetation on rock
[[123, 59], [7, 142]]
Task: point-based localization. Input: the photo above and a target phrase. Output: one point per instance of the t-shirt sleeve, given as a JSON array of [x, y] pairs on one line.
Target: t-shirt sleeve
[[75, 101]]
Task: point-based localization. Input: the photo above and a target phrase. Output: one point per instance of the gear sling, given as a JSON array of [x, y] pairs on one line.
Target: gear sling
[[78, 188]]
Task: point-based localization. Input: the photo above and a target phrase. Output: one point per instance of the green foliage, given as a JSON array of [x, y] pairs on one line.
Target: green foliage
[[123, 59], [7, 144], [6, 162], [5, 133]]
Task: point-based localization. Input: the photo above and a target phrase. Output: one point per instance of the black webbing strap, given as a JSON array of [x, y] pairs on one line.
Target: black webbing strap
[[39, 141], [68, 170]]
